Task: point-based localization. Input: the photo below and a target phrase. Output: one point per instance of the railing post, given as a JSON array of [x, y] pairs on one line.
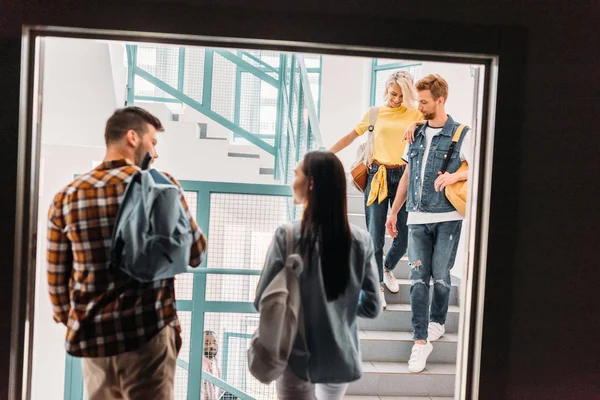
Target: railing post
[[208, 75], [238, 94], [198, 300], [279, 117], [181, 70], [131, 63], [73, 378], [299, 117]]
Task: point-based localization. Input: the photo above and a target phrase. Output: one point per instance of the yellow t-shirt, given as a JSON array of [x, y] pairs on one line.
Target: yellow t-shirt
[[388, 142]]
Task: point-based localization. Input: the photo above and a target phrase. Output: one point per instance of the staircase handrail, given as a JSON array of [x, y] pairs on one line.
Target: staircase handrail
[[313, 116]]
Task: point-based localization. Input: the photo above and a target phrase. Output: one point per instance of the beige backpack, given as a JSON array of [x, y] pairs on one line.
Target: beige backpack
[[281, 319]]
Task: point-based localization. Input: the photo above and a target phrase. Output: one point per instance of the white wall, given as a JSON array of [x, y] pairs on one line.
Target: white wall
[[345, 91], [118, 61], [79, 94]]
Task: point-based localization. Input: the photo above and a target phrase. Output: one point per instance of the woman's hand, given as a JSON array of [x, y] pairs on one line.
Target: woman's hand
[[409, 133]]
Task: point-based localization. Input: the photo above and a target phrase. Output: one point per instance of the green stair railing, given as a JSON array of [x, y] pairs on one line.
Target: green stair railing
[[269, 99]]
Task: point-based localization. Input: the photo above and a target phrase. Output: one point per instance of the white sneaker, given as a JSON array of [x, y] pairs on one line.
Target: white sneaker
[[382, 294], [390, 281], [435, 331], [418, 356]]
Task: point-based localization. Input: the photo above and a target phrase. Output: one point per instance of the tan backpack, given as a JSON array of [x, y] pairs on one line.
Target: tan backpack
[[359, 170], [281, 319]]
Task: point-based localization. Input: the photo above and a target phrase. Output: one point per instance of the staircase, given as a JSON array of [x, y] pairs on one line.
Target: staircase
[[386, 341], [191, 138]]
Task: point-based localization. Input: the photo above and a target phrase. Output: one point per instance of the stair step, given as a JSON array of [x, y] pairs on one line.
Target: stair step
[[267, 171], [393, 378], [394, 346], [356, 203], [397, 317], [243, 155], [403, 296]]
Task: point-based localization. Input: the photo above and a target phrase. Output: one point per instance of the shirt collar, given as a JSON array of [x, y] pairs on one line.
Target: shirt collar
[[113, 164], [447, 129]]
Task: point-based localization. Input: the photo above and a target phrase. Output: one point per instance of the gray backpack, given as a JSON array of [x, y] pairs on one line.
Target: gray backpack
[[152, 236], [281, 319]]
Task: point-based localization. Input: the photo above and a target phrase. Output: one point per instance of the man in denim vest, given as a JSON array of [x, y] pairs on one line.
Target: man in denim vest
[[433, 223]]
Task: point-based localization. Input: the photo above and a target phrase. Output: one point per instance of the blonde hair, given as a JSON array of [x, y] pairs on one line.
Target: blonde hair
[[435, 84], [407, 84]]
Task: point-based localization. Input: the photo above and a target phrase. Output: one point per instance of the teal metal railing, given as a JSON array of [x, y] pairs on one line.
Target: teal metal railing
[[218, 295], [268, 99], [381, 69]]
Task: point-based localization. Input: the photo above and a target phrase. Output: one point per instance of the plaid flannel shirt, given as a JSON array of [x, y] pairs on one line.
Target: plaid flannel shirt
[[105, 311]]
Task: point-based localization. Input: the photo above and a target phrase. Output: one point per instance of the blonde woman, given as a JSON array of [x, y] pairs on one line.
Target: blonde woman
[[393, 118]]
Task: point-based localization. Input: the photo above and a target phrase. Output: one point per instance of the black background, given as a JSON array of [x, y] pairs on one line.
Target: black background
[[541, 312]]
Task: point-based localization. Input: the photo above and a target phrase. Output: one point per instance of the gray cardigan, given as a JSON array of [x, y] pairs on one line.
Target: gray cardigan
[[331, 329]]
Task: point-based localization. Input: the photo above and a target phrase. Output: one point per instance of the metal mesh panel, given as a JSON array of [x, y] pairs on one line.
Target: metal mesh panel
[[160, 61], [250, 99], [269, 57], [223, 89], [193, 78], [233, 332], [241, 230]]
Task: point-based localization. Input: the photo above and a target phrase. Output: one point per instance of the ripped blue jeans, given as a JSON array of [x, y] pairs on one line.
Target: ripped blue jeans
[[431, 254]]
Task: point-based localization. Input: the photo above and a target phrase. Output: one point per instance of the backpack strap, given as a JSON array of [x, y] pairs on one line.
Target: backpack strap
[[289, 241], [455, 139], [373, 111]]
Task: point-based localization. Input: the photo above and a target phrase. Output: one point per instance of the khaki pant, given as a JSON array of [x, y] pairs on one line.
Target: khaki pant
[[145, 373]]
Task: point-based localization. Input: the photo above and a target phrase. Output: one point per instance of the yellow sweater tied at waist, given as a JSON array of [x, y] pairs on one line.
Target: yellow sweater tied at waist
[[379, 187]]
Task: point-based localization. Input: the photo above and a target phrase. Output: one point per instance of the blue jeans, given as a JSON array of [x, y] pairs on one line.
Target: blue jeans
[[431, 254], [376, 215]]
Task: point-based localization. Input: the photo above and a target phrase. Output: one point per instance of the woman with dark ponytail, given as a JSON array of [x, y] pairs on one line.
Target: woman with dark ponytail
[[339, 282]]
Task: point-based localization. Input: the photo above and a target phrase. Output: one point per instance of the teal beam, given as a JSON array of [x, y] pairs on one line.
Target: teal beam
[[184, 305], [165, 87], [299, 117], [198, 303], [226, 386], [207, 79], [279, 119], [243, 307], [373, 81], [238, 97], [291, 124], [131, 64], [247, 67], [217, 382], [181, 70], [264, 64], [233, 188], [310, 104], [73, 378], [225, 271], [160, 99]]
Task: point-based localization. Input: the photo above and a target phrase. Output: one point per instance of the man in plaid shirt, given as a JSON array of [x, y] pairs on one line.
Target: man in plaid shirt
[[126, 332]]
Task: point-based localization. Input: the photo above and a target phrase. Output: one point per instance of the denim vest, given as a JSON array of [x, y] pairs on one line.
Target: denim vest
[[431, 201]]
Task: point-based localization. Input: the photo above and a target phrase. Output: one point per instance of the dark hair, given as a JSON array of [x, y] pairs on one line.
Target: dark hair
[[127, 118], [325, 220]]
